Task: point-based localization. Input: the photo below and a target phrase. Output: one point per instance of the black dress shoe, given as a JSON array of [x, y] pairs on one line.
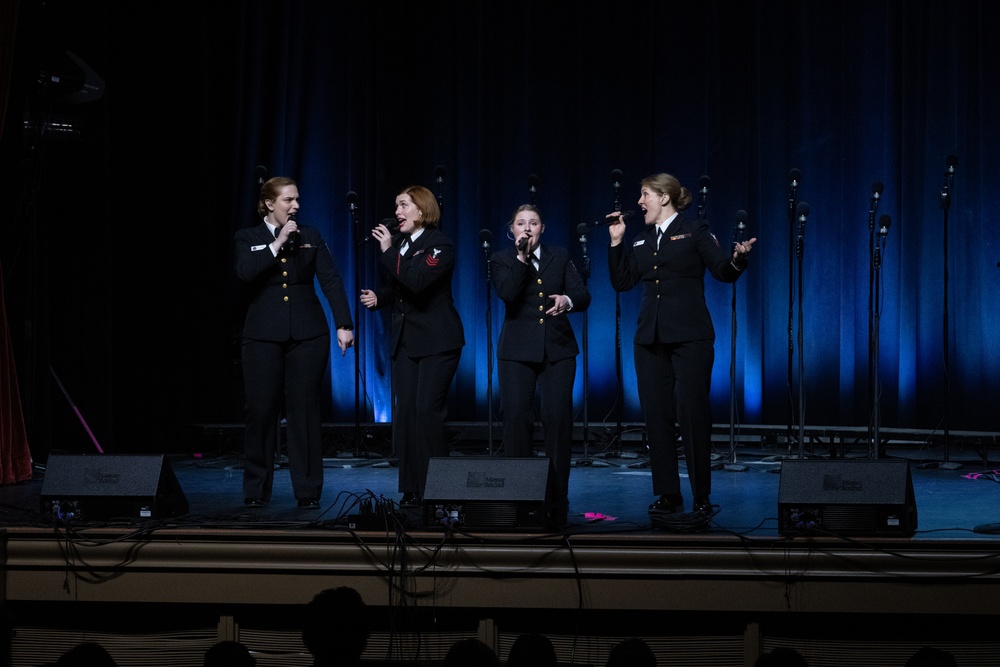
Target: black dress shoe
[[254, 502], [672, 504], [410, 499], [308, 503], [702, 506]]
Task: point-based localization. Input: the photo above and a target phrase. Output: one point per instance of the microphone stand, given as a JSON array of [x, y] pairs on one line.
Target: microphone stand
[[873, 259], [803, 211], [582, 230], [616, 176], [484, 237], [439, 179], [794, 175], [738, 236], [879, 250], [949, 184], [352, 199]]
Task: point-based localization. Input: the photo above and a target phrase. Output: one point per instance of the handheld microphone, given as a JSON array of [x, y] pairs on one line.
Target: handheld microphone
[[522, 244], [625, 217], [293, 237], [485, 236], [390, 223]]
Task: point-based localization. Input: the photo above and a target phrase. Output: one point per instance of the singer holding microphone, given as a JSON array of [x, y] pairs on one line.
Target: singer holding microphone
[[539, 286], [426, 337], [286, 342], [674, 343]]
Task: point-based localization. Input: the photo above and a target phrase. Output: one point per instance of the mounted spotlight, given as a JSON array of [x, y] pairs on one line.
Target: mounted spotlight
[[66, 81]]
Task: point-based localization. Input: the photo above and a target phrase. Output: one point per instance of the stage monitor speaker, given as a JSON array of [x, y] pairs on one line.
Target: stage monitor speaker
[[847, 497], [101, 487], [487, 493]]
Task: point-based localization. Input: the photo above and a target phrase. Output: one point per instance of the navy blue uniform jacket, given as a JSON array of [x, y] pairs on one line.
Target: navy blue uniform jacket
[[673, 307], [419, 291], [283, 300], [528, 334]]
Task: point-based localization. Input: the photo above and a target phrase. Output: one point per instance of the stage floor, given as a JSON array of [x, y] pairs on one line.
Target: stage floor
[[609, 490], [224, 570]]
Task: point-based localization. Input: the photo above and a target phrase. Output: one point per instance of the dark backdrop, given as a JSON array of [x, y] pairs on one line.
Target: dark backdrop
[[117, 263]]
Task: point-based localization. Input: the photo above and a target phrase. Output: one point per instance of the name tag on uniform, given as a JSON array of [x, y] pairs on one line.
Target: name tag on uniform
[[255, 248], [639, 242]]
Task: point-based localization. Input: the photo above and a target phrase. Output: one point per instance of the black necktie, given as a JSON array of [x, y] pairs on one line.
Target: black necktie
[[659, 235], [405, 245]]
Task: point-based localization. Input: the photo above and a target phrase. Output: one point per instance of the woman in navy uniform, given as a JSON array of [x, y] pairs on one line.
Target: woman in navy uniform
[[539, 286], [286, 342], [674, 344], [426, 340]]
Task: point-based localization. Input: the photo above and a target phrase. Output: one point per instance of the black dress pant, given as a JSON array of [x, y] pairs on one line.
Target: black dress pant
[[420, 408], [674, 382], [293, 371], [554, 380]]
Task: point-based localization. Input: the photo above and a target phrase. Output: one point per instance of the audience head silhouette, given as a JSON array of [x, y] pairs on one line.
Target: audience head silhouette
[[336, 627], [632, 652], [470, 653], [229, 654], [87, 654], [928, 656], [781, 657], [532, 650]]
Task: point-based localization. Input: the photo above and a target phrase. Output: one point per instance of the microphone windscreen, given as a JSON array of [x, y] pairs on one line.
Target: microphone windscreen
[[884, 222], [616, 176], [706, 182], [485, 236], [802, 209], [877, 188], [582, 228], [741, 217], [352, 197], [795, 176]]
